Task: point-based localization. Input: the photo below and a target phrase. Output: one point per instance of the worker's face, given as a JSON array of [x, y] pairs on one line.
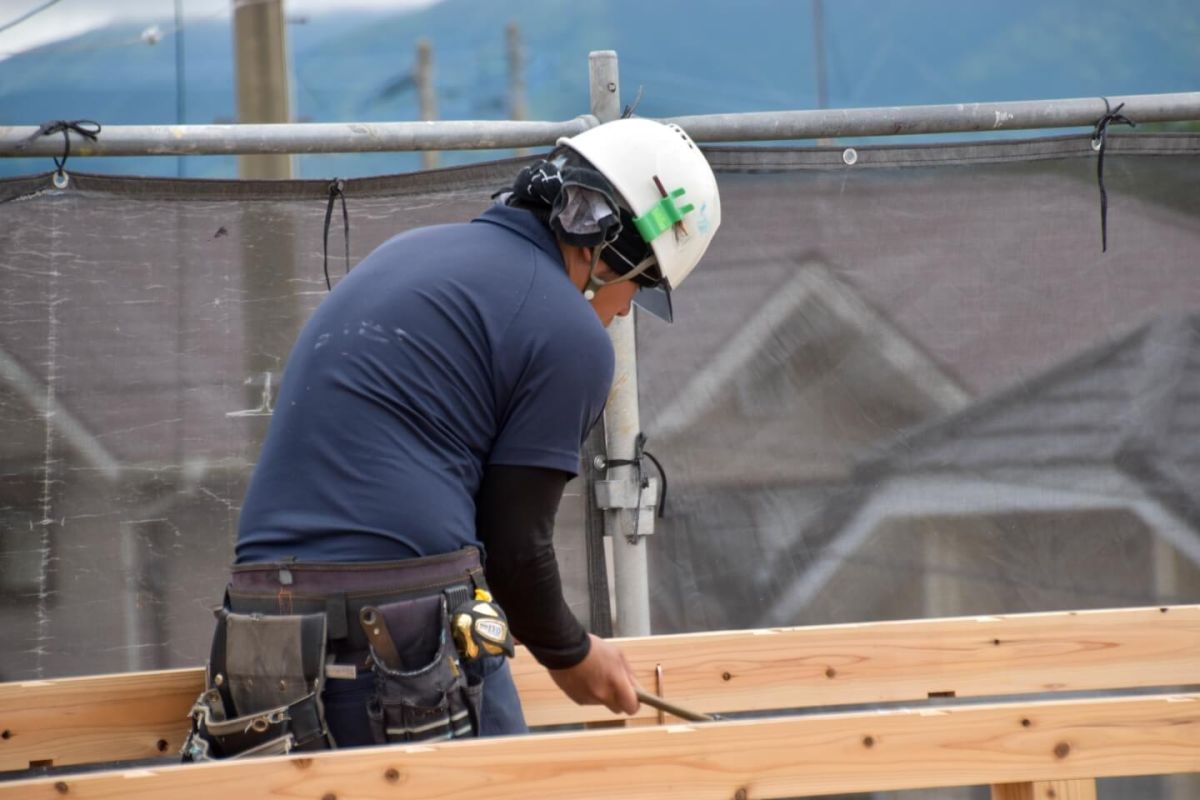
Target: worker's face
[[614, 300], [610, 301]]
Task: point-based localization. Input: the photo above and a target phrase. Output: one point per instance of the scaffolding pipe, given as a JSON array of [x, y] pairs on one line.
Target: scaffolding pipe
[[956, 118], [309, 137], [320, 137], [621, 419]]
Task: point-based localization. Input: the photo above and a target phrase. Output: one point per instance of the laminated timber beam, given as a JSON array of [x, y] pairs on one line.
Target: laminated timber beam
[[143, 715], [1046, 790], [998, 744]]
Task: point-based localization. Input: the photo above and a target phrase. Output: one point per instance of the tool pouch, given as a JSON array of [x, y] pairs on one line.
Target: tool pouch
[[421, 691], [263, 694]]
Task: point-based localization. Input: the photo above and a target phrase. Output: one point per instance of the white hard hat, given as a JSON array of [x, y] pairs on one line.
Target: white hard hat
[[667, 184]]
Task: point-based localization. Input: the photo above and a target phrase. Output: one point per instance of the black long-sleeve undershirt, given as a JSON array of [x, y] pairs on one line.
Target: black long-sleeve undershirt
[[514, 515]]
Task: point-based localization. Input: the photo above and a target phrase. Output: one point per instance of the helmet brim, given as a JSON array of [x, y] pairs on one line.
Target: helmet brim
[[656, 300]]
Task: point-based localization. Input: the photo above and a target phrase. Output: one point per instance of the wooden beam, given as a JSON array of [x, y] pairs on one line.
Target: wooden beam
[[770, 758], [1046, 790], [900, 661], [831, 665], [103, 718]]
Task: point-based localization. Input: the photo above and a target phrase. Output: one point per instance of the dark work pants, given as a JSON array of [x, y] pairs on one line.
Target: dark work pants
[[346, 704]]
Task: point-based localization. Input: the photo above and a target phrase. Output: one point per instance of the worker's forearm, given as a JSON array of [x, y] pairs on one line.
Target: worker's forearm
[[531, 595], [515, 511]]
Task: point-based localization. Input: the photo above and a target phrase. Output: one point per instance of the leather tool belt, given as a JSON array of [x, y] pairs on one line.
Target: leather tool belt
[[284, 623], [341, 590]]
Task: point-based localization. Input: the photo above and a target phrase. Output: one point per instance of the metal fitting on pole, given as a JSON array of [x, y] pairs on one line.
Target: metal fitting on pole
[[640, 499]]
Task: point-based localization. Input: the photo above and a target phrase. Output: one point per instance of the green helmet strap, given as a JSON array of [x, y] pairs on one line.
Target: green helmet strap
[[661, 216]]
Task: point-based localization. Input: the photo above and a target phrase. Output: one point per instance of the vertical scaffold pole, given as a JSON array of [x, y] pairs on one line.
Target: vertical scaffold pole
[[621, 421]]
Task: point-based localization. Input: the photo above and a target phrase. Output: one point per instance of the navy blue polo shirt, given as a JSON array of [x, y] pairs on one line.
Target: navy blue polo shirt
[[447, 349]]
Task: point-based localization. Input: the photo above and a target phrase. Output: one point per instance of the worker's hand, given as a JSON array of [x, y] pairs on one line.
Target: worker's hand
[[604, 677]]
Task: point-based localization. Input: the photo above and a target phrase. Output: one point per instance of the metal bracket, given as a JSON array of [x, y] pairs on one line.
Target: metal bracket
[[629, 496]]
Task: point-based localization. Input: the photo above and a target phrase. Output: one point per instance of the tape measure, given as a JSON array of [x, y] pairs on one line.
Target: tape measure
[[480, 628]]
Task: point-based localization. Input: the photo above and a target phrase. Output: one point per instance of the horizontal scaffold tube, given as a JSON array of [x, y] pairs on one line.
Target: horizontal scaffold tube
[[305, 137], [134, 140], [954, 118]]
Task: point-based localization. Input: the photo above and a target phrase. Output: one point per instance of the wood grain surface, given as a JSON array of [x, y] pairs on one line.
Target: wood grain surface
[[1046, 790], [1062, 740], [130, 716]]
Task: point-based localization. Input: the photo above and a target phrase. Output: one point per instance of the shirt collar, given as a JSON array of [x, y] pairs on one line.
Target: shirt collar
[[525, 224]]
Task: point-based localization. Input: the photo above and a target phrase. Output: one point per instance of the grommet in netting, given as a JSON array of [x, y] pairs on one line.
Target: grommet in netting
[[849, 156], [86, 128]]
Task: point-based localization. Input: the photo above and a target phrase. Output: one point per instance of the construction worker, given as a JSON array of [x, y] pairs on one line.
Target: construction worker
[[432, 410]]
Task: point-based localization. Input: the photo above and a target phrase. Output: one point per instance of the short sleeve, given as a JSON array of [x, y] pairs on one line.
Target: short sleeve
[[561, 378]]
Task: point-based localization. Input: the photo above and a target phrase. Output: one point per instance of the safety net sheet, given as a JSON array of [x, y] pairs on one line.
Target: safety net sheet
[[908, 386]]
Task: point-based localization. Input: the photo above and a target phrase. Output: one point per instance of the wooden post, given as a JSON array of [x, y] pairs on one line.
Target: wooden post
[[260, 56], [180, 78], [517, 108], [428, 99], [818, 21], [1084, 789]]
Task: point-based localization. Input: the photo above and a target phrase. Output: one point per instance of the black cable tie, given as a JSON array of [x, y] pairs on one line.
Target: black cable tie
[[662, 473], [336, 189], [1099, 139], [88, 129], [632, 107]]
